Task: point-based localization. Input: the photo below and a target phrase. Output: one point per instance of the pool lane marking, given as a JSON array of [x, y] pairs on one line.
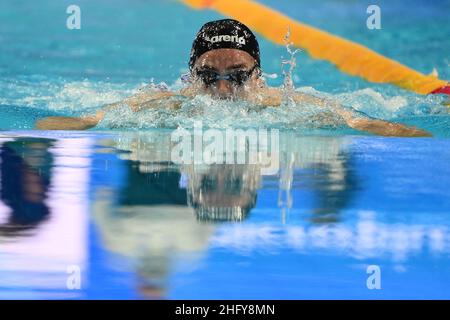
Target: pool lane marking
[[350, 57]]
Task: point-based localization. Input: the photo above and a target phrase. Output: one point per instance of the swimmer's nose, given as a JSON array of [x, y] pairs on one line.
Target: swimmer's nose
[[223, 88]]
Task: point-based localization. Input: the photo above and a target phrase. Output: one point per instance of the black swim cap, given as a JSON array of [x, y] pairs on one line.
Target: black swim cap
[[226, 33]]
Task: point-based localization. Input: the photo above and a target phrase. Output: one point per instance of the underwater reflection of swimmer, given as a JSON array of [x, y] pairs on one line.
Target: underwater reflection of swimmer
[[215, 192], [334, 189], [25, 179], [155, 222], [323, 169], [323, 165], [222, 192], [152, 238]]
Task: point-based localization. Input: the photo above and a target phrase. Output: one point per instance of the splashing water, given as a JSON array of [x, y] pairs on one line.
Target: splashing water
[[290, 115], [215, 113], [288, 85], [28, 99]]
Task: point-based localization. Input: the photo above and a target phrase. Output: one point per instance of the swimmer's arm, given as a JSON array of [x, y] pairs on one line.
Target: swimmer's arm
[[386, 128], [75, 123], [380, 127], [69, 123], [136, 102], [374, 126]]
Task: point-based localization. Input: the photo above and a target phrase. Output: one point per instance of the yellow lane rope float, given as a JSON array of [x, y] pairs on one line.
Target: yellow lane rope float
[[350, 57]]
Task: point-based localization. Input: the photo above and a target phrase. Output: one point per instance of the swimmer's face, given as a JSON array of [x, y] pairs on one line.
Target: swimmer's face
[[225, 185], [226, 73], [223, 189]]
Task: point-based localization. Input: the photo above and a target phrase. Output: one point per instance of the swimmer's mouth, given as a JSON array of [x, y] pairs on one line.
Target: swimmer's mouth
[[230, 97], [216, 94]]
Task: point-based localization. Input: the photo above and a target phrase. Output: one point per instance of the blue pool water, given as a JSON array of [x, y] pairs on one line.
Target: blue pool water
[[110, 204]]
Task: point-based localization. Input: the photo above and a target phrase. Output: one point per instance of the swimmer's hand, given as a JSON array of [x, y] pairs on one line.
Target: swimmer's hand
[[69, 123], [381, 127], [386, 128]]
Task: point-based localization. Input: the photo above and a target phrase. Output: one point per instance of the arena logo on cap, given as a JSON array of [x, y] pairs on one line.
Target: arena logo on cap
[[226, 38]]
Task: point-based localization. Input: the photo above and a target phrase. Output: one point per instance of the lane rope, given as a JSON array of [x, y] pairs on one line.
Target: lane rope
[[349, 57]]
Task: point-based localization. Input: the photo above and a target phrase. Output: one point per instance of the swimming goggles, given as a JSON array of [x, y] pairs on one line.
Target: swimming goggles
[[238, 77]]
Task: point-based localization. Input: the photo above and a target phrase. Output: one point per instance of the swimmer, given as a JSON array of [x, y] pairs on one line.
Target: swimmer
[[225, 64]]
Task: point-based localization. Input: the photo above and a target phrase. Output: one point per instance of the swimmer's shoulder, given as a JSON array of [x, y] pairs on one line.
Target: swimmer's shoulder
[[268, 96], [188, 92], [147, 98], [272, 96]]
